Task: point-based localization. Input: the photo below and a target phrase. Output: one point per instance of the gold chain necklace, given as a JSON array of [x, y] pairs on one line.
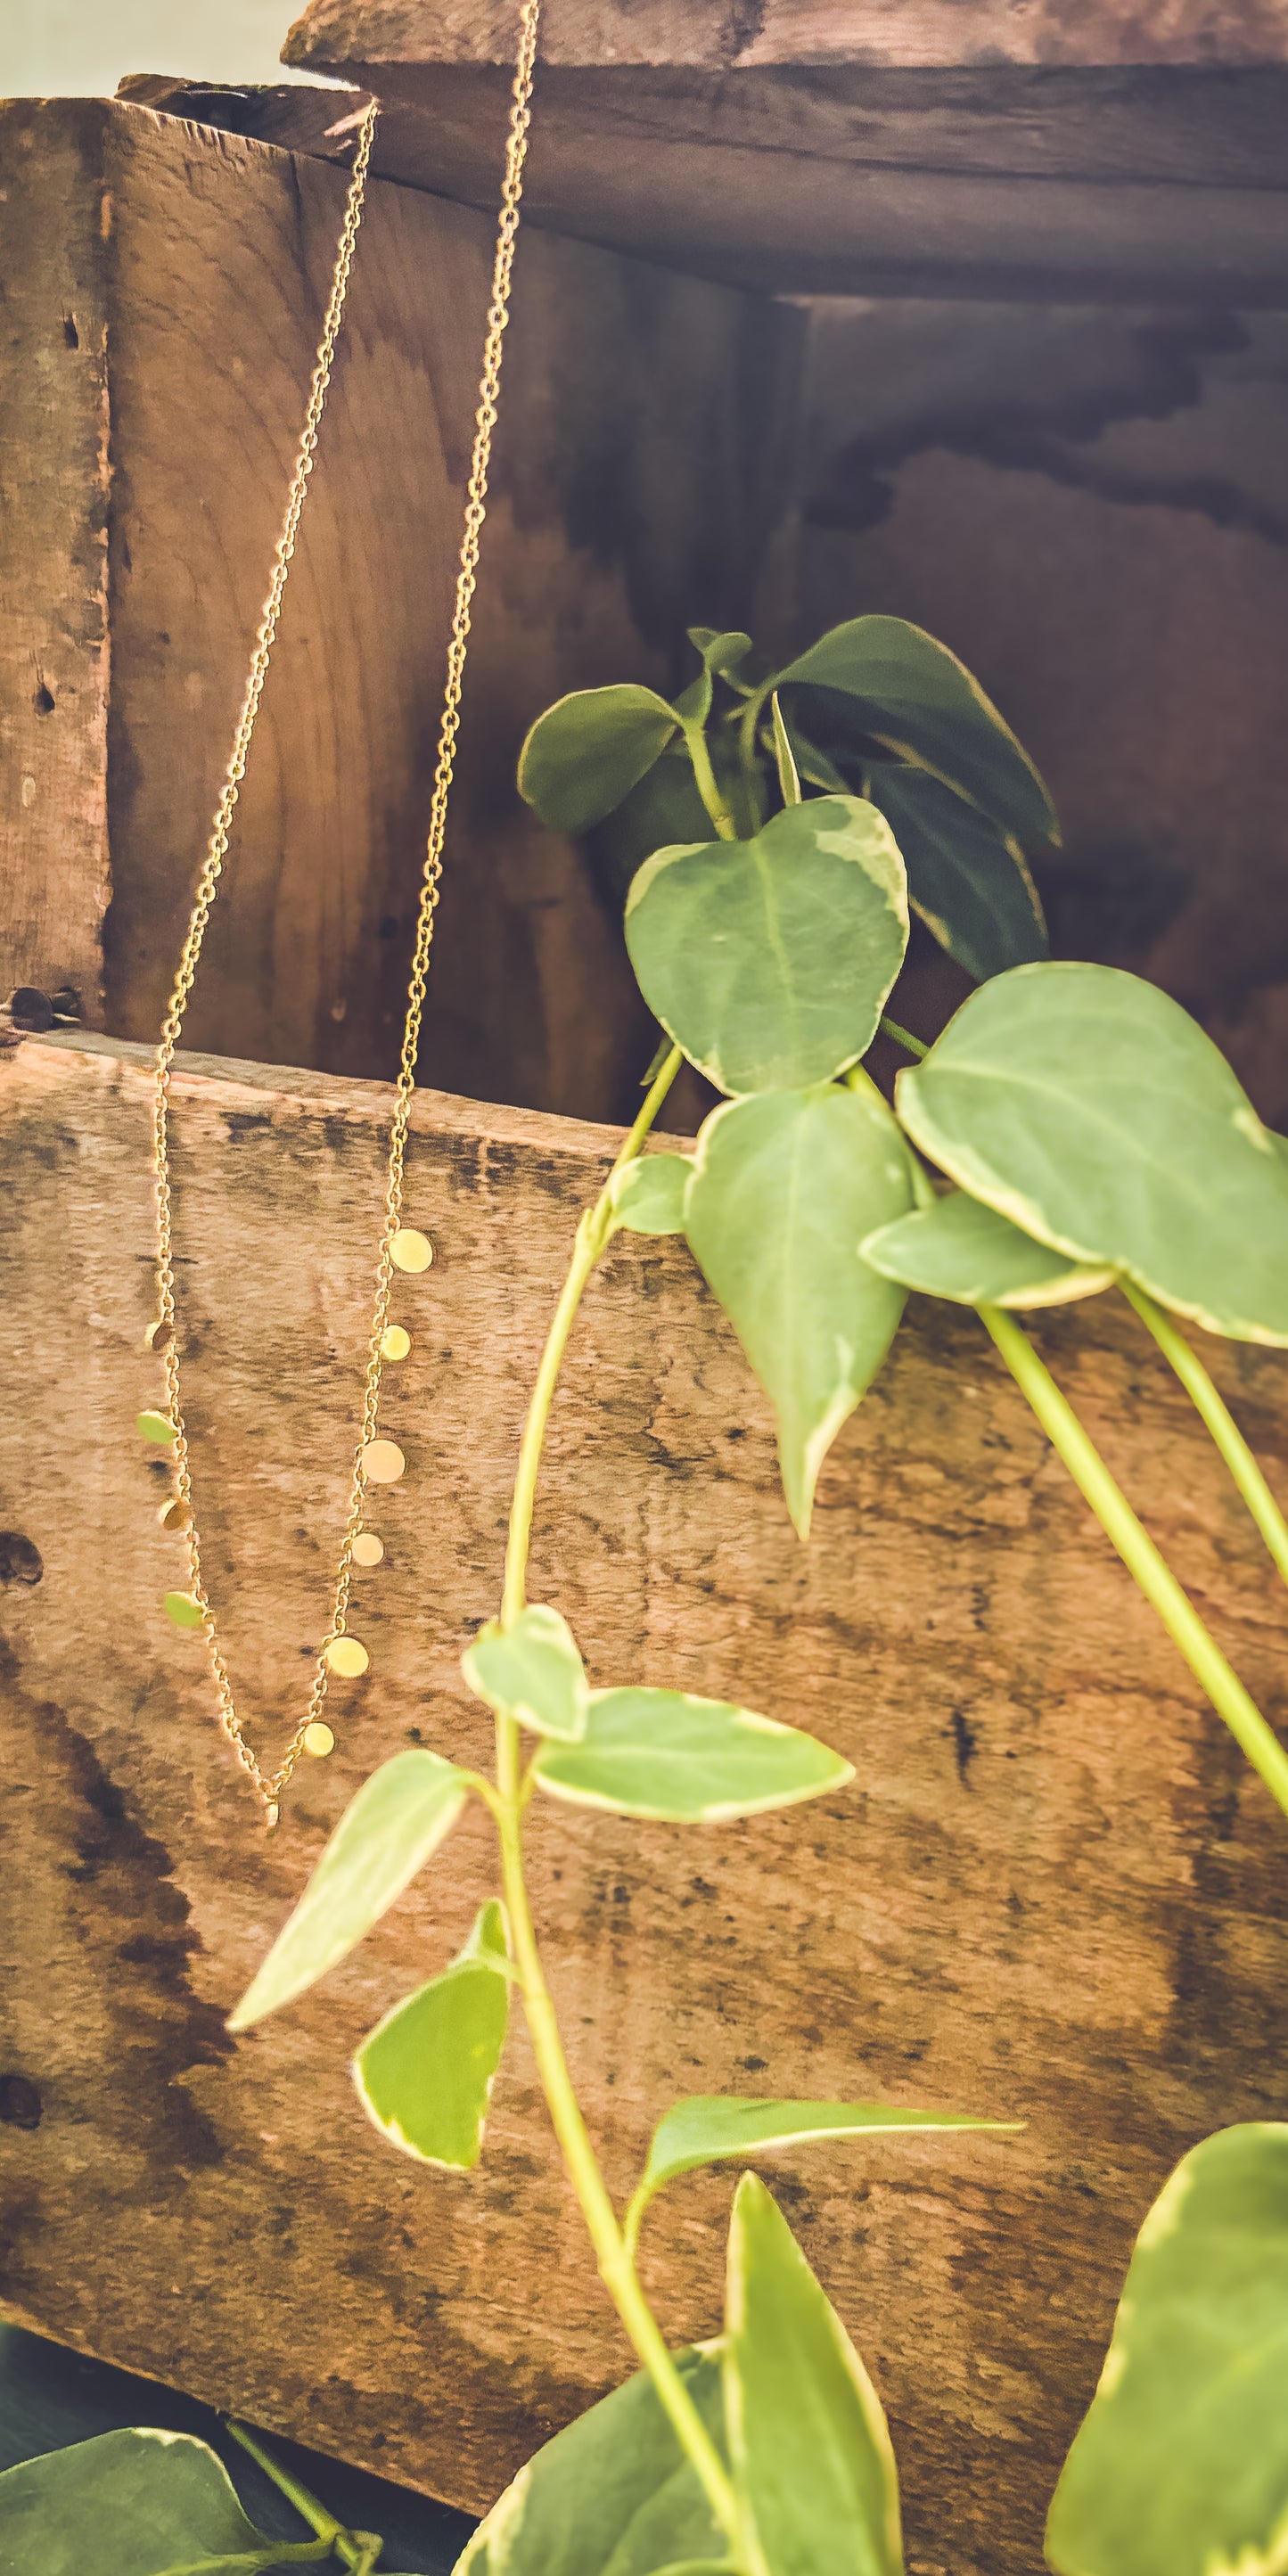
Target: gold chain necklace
[[401, 1248]]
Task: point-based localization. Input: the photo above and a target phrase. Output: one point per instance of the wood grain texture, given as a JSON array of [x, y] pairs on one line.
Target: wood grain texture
[[637, 482], [733, 36], [847, 177], [1053, 1891], [54, 483]]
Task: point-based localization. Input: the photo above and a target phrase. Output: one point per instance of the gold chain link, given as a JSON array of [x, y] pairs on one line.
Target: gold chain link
[[270, 1786]]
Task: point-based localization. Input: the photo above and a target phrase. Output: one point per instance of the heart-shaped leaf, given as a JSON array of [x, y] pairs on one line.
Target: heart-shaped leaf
[[685, 1761], [910, 693], [966, 878], [386, 1834], [588, 751], [1180, 2468], [1093, 1111], [138, 2503], [960, 1249], [808, 2443], [769, 961], [425, 2074], [712, 2126], [531, 1671], [648, 1194], [783, 1192], [612, 2495]]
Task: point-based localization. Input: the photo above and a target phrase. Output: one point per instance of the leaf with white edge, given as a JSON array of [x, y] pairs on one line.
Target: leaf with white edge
[[808, 2443], [424, 2075], [677, 1760], [648, 1194], [770, 961], [960, 1249], [789, 778], [386, 1834], [910, 693], [966, 878], [1089, 1108], [784, 1189], [1180, 2467], [137, 2503], [612, 2495], [588, 751], [531, 1671], [711, 2126]]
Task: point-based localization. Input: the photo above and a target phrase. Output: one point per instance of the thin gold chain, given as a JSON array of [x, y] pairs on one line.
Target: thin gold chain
[[270, 1786]]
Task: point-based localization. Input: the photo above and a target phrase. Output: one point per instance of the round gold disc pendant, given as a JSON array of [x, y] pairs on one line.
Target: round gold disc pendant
[[410, 1250], [367, 1548], [395, 1343], [347, 1655], [318, 1739], [382, 1462]]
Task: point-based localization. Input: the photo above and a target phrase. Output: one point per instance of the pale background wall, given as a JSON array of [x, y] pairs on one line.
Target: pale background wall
[[62, 48]]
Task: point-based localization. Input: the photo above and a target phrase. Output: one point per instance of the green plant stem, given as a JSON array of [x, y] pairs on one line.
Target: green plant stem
[[616, 2267], [1139, 1554], [708, 786], [358, 2549], [903, 1037], [748, 722], [1217, 1419]]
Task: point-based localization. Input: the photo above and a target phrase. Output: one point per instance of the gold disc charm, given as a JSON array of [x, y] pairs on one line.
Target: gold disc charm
[[346, 1655], [409, 1250], [382, 1462], [367, 1549], [318, 1739], [184, 1608], [395, 1343], [158, 1336], [176, 1514]]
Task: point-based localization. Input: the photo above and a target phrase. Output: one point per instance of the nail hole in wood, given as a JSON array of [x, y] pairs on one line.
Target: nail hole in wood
[[20, 1559], [44, 701], [20, 2104]]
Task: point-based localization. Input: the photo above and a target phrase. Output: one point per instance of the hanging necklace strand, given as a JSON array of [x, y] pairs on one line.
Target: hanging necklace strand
[[180, 1512]]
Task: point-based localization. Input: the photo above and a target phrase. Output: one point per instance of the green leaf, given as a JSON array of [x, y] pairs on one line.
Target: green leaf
[[665, 808], [1093, 1111], [612, 2495], [913, 695], [769, 961], [684, 1761], [648, 1194], [722, 652], [139, 2503], [156, 1427], [966, 879], [531, 1671], [425, 2074], [386, 1834], [808, 2442], [588, 751], [711, 2126], [783, 1191], [1180, 2467], [789, 778], [960, 1249]]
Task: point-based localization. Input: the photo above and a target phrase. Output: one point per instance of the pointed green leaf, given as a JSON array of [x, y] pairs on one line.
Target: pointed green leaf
[[722, 651], [612, 2495], [685, 1761], [808, 2441], [1093, 1111], [137, 2503], [783, 1192], [709, 2127], [648, 1194], [531, 1671], [910, 693], [386, 1834], [960, 1249], [966, 878], [588, 751], [157, 1427], [1180, 2468], [769, 961], [812, 763], [425, 2073], [789, 777]]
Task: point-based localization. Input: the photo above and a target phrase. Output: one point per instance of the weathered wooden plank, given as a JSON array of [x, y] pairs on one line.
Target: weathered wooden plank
[[1054, 1890], [54, 483], [637, 481], [1114, 152]]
